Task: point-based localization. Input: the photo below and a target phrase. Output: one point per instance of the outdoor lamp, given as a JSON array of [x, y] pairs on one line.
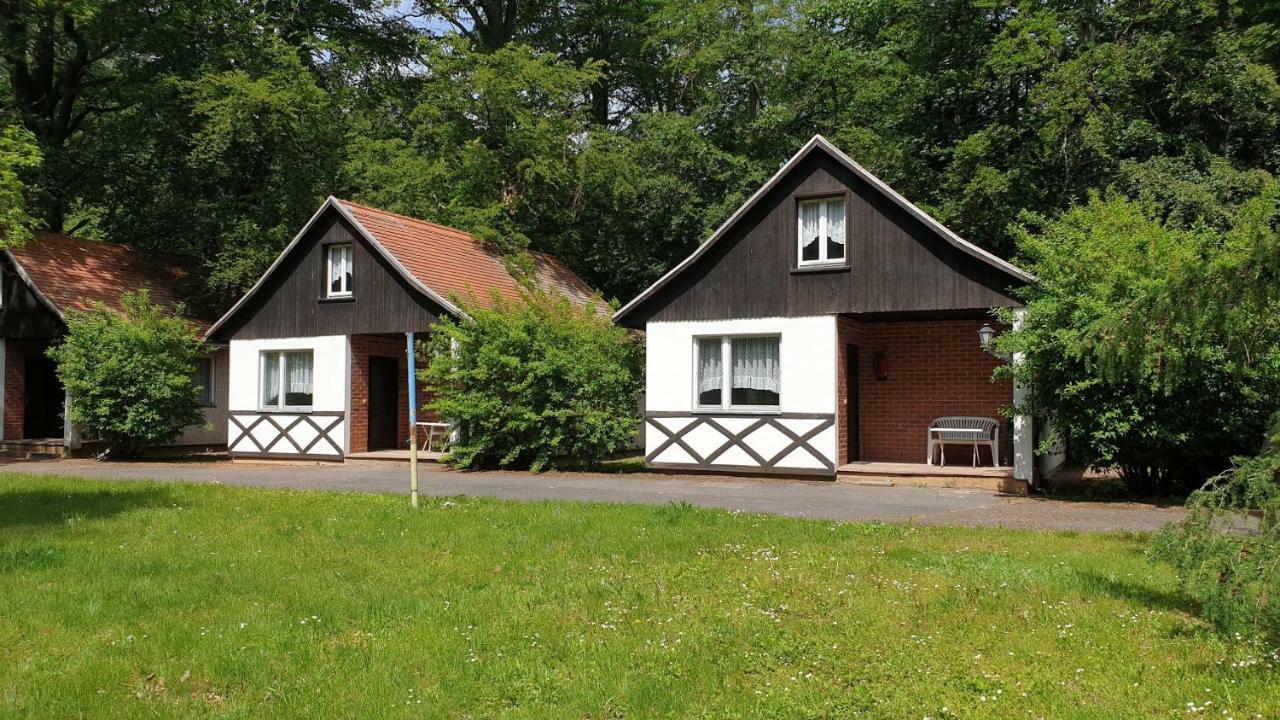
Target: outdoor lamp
[[986, 334]]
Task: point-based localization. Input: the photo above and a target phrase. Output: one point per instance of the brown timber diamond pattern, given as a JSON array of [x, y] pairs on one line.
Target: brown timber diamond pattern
[[739, 439], [282, 441]]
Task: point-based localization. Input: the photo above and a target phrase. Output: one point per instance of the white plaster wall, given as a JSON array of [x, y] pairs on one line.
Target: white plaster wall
[[807, 355], [329, 372], [807, 358]]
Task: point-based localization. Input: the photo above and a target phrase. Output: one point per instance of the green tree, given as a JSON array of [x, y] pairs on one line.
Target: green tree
[[534, 383], [130, 376], [1231, 569], [18, 151], [1154, 347]]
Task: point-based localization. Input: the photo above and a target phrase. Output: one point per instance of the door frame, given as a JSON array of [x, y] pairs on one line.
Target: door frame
[[852, 398]]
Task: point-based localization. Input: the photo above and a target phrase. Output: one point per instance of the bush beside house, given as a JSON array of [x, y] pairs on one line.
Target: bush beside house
[[535, 383], [130, 376], [1153, 343]]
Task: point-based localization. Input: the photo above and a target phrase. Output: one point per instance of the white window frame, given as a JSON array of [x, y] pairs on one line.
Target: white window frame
[[342, 292], [212, 387], [726, 374], [283, 353], [822, 202]]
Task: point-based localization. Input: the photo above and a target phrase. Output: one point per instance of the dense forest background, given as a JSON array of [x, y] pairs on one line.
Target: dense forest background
[[615, 134]]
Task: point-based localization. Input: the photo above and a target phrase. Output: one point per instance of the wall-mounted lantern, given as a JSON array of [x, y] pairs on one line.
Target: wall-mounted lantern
[[880, 364], [987, 338], [986, 334]]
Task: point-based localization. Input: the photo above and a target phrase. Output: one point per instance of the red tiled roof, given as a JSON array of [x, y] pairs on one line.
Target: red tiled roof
[[452, 262], [75, 274]]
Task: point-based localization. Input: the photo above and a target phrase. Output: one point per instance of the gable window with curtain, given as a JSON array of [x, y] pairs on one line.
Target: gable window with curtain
[[286, 380], [821, 232], [339, 261], [747, 366]]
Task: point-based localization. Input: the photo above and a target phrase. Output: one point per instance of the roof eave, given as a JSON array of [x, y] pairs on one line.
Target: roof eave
[[35, 289]]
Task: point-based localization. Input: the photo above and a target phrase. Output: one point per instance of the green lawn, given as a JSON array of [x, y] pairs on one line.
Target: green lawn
[[144, 600]]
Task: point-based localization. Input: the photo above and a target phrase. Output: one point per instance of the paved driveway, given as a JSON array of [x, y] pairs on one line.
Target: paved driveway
[[799, 498]]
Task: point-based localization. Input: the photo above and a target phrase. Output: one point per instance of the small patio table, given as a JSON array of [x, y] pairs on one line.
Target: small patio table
[[432, 429]]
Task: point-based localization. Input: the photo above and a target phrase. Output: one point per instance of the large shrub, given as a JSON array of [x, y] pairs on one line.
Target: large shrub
[[130, 375], [533, 383], [1153, 345], [1227, 550]]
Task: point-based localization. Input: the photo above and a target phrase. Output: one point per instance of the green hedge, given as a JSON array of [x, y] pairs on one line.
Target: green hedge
[[535, 383]]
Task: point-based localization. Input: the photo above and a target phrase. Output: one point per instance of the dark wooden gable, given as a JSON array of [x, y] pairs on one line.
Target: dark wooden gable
[[291, 301], [23, 315], [897, 265]]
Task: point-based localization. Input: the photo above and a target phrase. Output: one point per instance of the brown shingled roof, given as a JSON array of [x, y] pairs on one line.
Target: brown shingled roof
[[452, 262], [74, 274]]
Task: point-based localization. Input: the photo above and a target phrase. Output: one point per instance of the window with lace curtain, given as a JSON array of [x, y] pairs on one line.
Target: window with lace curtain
[[340, 270], [747, 366], [821, 231], [286, 380]]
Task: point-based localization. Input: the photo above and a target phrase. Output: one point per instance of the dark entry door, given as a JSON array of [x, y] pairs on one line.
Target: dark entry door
[[384, 402], [42, 411], [851, 398]]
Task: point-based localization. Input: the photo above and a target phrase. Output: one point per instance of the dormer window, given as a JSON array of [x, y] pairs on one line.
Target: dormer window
[[822, 231], [339, 271]]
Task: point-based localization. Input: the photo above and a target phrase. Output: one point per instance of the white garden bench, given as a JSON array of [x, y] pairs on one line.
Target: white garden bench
[[959, 429]]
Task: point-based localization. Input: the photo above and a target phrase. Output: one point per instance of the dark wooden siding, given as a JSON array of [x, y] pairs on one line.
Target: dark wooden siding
[[897, 265], [23, 315], [292, 304]]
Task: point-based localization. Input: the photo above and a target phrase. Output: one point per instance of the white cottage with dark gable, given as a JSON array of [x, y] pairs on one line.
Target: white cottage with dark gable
[[828, 326]]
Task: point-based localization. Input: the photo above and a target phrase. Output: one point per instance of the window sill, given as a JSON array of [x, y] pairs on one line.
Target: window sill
[[285, 411], [737, 411], [337, 298], [820, 268]]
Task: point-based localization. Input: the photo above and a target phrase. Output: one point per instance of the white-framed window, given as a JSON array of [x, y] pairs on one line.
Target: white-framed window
[[821, 233], [339, 263], [748, 367], [285, 382], [204, 378]]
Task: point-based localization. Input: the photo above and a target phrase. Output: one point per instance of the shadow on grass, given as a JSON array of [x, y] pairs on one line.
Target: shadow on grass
[[47, 507], [1136, 592]]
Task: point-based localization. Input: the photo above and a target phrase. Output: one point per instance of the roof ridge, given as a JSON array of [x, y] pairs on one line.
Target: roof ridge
[[402, 216]]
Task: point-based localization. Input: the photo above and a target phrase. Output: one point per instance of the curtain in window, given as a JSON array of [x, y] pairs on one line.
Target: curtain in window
[[710, 372], [298, 375], [270, 379], [755, 364], [810, 219], [339, 269], [835, 230]]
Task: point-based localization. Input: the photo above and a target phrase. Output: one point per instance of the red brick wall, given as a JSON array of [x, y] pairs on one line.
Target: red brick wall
[[362, 347], [935, 368], [14, 389]]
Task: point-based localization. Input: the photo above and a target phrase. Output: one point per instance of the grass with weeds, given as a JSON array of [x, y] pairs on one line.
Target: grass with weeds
[[135, 600]]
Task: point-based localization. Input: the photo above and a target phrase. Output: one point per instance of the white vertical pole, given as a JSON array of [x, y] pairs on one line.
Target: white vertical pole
[[413, 422], [1023, 425]]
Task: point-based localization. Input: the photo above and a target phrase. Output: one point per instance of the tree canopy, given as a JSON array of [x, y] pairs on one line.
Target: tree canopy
[[617, 134]]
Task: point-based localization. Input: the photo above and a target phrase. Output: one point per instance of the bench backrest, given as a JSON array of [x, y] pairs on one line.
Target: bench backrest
[[960, 421]]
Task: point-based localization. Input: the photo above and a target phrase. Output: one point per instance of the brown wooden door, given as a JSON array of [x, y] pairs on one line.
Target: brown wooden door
[[43, 399], [851, 400], [384, 402]]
